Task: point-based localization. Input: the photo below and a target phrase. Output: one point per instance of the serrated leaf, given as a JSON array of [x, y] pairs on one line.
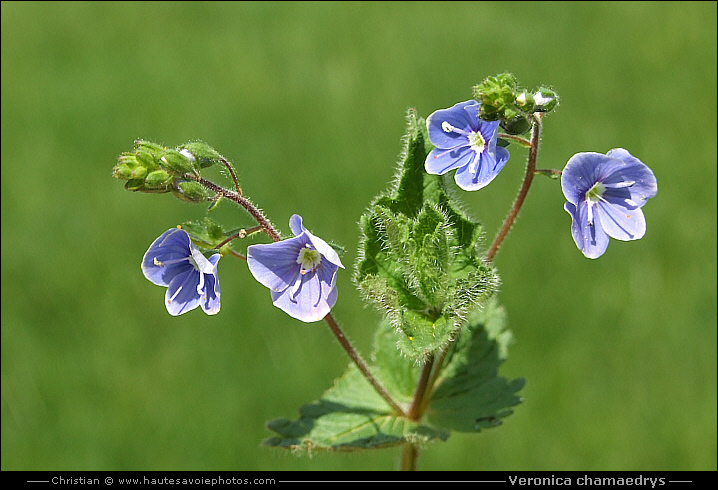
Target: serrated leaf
[[418, 255], [350, 416], [469, 395]]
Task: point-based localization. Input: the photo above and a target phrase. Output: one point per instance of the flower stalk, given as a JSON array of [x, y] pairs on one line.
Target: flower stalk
[[269, 229], [523, 191]]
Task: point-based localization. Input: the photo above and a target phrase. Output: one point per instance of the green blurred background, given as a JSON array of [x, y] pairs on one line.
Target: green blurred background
[[309, 101]]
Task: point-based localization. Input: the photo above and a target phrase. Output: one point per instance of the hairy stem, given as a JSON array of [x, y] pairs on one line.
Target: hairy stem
[[242, 201], [417, 402], [523, 191], [267, 227], [354, 355]]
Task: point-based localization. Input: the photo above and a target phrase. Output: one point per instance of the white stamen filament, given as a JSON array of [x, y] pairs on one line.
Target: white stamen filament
[[620, 185], [448, 128]]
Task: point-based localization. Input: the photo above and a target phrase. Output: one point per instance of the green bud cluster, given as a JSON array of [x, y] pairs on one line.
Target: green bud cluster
[[153, 168], [142, 170], [502, 99]]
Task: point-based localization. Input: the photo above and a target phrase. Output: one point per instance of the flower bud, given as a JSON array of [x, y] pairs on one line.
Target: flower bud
[[122, 171], [176, 162], [158, 178], [191, 191], [138, 173], [520, 124], [205, 155], [146, 160], [525, 102], [139, 185], [545, 99]]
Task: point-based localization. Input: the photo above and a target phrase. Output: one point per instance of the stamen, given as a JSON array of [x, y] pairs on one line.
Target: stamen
[[168, 262], [620, 185], [175, 295], [448, 128], [200, 285]]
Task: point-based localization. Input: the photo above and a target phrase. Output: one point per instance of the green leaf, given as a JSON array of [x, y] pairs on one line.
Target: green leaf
[[207, 234], [419, 261], [348, 417], [469, 395]]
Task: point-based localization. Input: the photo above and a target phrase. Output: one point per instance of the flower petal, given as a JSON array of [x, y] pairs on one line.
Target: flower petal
[[274, 265], [439, 161], [458, 117], [488, 168], [582, 171], [211, 294], [645, 184], [295, 224], [489, 131], [304, 302], [620, 221], [164, 259], [182, 295], [590, 239]]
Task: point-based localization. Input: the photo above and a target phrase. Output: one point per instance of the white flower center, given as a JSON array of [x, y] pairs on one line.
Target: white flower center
[[593, 195], [309, 259], [476, 142]]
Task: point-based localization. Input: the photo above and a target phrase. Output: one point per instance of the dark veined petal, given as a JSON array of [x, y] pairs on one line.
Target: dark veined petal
[[592, 240], [487, 168], [489, 131], [620, 221], [439, 161], [645, 184], [582, 171], [210, 300], [274, 265], [182, 295], [311, 297], [167, 256], [455, 116]]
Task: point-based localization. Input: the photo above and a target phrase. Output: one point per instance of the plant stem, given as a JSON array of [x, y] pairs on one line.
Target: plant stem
[[242, 201], [415, 412], [528, 178], [409, 455], [354, 355], [267, 227], [234, 176], [522, 141]]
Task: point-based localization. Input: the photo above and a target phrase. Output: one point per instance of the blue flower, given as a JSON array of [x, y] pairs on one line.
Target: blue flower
[[301, 272], [605, 194], [191, 279], [466, 143]]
